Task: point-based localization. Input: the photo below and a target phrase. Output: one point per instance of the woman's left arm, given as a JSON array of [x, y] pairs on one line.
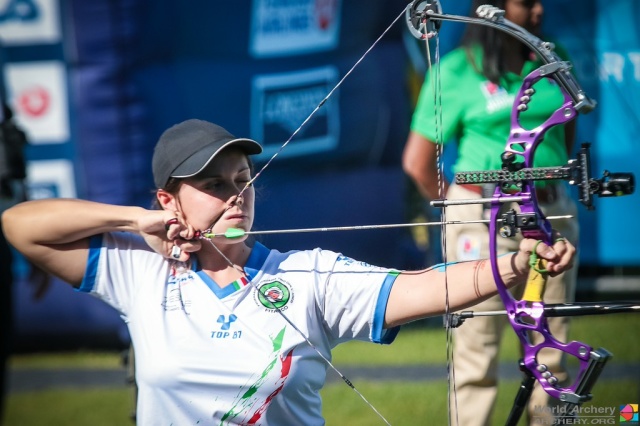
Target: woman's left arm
[[422, 294]]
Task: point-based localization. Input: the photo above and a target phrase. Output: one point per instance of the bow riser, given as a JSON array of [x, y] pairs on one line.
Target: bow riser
[[527, 317]]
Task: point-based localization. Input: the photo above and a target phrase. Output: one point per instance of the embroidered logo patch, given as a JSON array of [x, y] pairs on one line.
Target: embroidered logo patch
[[274, 295]]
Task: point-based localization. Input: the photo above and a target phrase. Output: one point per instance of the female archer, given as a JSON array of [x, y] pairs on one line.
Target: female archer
[[227, 331]]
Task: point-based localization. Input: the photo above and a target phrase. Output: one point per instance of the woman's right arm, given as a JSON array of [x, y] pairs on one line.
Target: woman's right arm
[[54, 233]]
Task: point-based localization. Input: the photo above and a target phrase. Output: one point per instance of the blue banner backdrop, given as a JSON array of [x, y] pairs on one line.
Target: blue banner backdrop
[[114, 74]]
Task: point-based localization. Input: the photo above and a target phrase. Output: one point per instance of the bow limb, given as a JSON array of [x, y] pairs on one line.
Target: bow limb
[[527, 315]]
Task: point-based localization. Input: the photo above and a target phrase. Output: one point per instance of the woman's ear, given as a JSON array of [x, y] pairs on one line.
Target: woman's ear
[[166, 200]]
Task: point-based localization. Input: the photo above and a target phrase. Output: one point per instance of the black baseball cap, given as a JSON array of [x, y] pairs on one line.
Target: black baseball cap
[[186, 148]]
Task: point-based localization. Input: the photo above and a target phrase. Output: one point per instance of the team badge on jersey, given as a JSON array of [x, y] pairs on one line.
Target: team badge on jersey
[[274, 295]]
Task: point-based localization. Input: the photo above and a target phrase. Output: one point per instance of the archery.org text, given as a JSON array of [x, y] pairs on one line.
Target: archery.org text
[[589, 415]]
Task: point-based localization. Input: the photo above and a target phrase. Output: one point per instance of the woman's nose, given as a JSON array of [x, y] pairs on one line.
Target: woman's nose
[[236, 200]]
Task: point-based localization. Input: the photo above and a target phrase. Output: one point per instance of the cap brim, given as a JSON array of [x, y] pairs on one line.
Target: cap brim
[[201, 159]]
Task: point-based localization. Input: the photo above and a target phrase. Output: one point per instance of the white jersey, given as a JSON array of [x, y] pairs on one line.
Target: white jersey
[[207, 355]]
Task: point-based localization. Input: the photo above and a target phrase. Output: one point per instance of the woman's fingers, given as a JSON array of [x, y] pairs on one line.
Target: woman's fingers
[[565, 256], [172, 221], [182, 238], [559, 257], [177, 227], [181, 249]]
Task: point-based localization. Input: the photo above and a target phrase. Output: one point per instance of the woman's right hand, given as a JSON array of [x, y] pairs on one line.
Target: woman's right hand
[[168, 234]]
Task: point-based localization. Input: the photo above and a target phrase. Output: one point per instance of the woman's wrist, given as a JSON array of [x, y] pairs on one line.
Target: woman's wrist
[[516, 268], [520, 264]]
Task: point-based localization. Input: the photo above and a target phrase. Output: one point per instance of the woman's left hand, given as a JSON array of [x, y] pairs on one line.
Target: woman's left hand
[[559, 257]]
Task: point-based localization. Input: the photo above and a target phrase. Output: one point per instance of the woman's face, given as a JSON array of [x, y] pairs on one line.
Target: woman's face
[[211, 196], [526, 13]]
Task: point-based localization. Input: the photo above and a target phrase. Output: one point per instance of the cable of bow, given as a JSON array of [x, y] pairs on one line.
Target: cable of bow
[[427, 30]]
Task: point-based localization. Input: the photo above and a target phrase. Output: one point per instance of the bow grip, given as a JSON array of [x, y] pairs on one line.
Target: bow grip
[[536, 282]]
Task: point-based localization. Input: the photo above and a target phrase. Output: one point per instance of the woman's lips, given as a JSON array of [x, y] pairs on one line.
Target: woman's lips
[[236, 217]]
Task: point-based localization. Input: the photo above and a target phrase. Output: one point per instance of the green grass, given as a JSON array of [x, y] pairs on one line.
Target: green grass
[[80, 359], [416, 344], [402, 403], [95, 407], [426, 403]]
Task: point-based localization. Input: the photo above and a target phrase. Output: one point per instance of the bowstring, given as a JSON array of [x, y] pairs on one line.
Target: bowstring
[[323, 101], [259, 173], [436, 82]]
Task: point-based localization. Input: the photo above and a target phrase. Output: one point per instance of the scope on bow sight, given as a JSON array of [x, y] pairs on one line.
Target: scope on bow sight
[[614, 184], [609, 185]]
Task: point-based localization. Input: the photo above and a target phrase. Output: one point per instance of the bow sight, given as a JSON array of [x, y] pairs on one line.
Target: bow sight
[[576, 172]]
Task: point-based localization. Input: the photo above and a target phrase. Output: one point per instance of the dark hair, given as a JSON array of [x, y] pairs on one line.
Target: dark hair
[[491, 41]]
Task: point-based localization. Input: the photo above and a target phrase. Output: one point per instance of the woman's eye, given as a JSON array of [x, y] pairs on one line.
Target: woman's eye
[[213, 185], [243, 179]]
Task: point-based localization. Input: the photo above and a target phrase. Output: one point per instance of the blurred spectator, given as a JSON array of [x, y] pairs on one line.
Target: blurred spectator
[[12, 190]]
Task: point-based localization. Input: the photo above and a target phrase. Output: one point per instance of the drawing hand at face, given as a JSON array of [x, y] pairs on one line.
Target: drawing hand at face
[[168, 234]]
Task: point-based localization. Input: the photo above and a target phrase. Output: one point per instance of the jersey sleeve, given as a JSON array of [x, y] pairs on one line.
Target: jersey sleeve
[[115, 265], [354, 299]]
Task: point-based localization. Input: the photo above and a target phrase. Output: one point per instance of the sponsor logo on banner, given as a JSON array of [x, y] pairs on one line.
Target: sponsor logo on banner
[[281, 102], [284, 27], [50, 179], [38, 95], [29, 22]]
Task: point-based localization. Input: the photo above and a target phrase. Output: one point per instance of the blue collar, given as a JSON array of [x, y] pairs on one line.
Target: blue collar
[[257, 257]]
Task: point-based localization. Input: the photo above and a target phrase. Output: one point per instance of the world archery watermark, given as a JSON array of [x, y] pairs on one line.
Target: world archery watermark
[[626, 414], [629, 414]]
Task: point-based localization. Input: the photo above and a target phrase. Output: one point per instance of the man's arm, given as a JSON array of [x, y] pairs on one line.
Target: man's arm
[[419, 161]]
